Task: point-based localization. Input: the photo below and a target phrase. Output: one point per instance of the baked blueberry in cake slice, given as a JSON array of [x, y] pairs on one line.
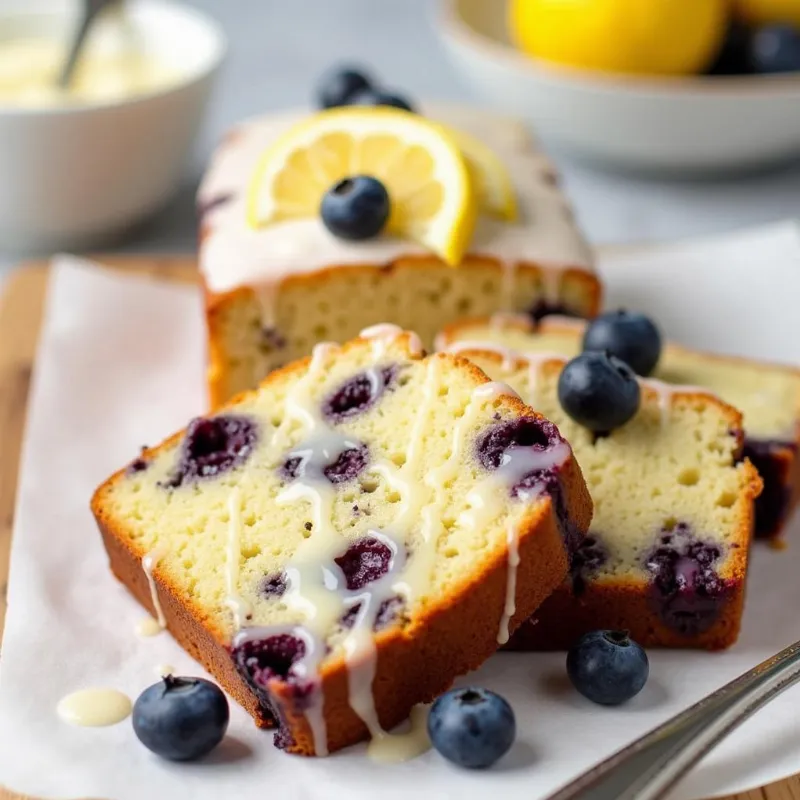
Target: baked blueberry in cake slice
[[667, 551], [339, 544], [768, 395]]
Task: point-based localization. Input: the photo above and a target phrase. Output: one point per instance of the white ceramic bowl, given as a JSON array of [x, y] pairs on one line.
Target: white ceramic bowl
[[687, 125], [76, 175]]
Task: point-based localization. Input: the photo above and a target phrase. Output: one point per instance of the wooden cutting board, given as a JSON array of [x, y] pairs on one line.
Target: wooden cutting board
[[21, 311]]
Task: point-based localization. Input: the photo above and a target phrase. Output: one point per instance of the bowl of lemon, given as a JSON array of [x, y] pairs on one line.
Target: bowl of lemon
[[679, 86]]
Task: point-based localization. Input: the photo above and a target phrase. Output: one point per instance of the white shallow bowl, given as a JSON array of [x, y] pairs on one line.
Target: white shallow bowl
[[687, 125], [74, 175]]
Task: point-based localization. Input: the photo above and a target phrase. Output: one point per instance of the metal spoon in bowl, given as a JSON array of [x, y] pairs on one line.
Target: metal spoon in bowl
[[91, 10], [652, 765]]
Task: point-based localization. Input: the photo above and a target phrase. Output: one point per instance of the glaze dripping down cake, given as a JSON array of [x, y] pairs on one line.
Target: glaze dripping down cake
[[667, 552], [339, 544], [768, 395], [272, 292]]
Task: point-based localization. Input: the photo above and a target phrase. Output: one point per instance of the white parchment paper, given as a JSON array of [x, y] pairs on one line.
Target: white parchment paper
[[120, 365]]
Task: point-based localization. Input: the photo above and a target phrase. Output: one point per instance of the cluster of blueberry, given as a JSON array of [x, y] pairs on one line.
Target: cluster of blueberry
[[766, 50], [352, 86], [598, 388], [356, 207], [183, 719]]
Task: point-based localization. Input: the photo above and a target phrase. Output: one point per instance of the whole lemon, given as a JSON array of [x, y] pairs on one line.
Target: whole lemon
[[659, 37], [765, 12]]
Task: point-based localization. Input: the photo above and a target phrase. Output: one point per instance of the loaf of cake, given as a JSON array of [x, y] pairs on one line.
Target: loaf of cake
[[339, 544], [666, 555], [273, 291], [768, 395]]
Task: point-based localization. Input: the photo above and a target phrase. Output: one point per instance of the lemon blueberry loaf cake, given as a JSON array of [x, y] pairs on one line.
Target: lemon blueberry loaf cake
[[768, 396], [667, 551], [315, 226], [339, 544]]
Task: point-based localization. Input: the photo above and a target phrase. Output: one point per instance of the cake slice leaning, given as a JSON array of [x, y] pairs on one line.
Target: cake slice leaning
[[667, 552], [339, 544], [768, 395]]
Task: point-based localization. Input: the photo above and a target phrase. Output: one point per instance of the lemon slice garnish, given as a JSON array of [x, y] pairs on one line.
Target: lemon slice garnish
[[433, 200], [490, 179]]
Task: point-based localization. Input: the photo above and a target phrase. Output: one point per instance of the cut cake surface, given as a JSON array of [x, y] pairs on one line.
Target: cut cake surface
[[338, 545]]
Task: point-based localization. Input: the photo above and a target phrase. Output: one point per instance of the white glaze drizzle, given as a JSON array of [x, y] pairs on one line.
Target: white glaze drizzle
[[316, 588], [94, 708], [501, 320], [233, 552], [149, 563], [666, 391], [487, 498], [535, 363], [512, 541], [383, 334], [233, 254], [148, 626], [509, 356], [562, 321], [162, 670], [399, 747]]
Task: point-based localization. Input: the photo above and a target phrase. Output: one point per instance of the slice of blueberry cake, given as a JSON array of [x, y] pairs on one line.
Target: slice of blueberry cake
[[341, 543], [667, 551], [768, 395]]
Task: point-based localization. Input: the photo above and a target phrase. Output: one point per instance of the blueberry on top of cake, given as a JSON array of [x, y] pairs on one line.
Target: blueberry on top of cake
[[768, 395], [667, 551]]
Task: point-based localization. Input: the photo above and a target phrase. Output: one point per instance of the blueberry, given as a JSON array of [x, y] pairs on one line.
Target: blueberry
[[630, 337], [338, 86], [472, 727], [349, 464], [607, 667], [213, 446], [261, 660], [493, 445], [734, 57], [272, 585], [687, 589], [355, 208], [379, 97], [365, 561], [181, 719], [359, 393], [599, 391], [587, 560], [775, 48]]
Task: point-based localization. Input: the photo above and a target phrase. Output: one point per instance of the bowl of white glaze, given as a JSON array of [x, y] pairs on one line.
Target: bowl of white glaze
[[687, 125], [81, 171]]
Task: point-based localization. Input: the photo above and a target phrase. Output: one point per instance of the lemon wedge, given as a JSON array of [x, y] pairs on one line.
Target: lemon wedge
[[433, 200], [490, 179]]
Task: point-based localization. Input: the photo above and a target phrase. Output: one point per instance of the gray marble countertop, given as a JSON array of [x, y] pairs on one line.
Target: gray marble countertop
[[278, 48]]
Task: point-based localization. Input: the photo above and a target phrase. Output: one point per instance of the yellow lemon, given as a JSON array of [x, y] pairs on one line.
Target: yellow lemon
[[658, 37], [764, 12], [490, 180], [433, 200]]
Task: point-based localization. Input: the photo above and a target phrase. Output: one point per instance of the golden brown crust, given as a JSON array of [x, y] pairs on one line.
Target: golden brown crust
[[623, 605], [217, 303], [416, 662]]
